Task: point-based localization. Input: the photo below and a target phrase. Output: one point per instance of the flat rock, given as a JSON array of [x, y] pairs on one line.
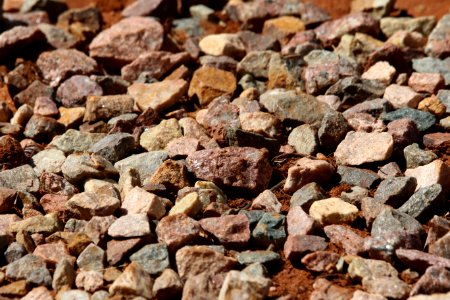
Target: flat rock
[[381, 71], [298, 245], [81, 166], [114, 146], [254, 177], [434, 280], [49, 160], [157, 137], [117, 250], [416, 157], [31, 268], [228, 44], [158, 95], [59, 64], [345, 237], [145, 163], [129, 226], [426, 82], [106, 107], [304, 139], [261, 123], [139, 201], [390, 287], [91, 259], [265, 257], [177, 231], [306, 195], [305, 171], [419, 260], [402, 96], [360, 147], [228, 230], [88, 205], [21, 178], [126, 40], [424, 202], [154, 258], [333, 211], [299, 222], [74, 91], [320, 261], [424, 25], [395, 191], [42, 129], [361, 268]]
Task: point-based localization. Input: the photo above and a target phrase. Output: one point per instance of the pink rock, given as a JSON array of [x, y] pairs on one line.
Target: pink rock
[[231, 230], [361, 121], [191, 128], [320, 261], [75, 90], [90, 281], [182, 147], [307, 170], [420, 260], [402, 96], [45, 106], [132, 225], [53, 253], [57, 65], [299, 222], [404, 132], [381, 71], [434, 172], [439, 39], [266, 201], [349, 240], [261, 122], [437, 140], [435, 280], [324, 289], [41, 293], [19, 38], [298, 245], [426, 82], [97, 228], [330, 32], [142, 8], [139, 201], [126, 40], [54, 203], [239, 167], [116, 250], [177, 231]]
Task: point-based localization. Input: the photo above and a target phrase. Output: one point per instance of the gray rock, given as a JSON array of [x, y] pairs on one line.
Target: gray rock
[[48, 160], [304, 139], [14, 252], [424, 120], [91, 259], [439, 247], [390, 287], [253, 216], [256, 63], [360, 268], [154, 258], [433, 65], [416, 157], [444, 97], [270, 230], [391, 220], [425, 202], [332, 130], [435, 280], [355, 195], [22, 178], [424, 25], [245, 285], [373, 107], [81, 166], [438, 40], [394, 191], [74, 91], [115, 146], [144, 163], [356, 176], [265, 257], [307, 194], [64, 275], [31, 268], [76, 141]]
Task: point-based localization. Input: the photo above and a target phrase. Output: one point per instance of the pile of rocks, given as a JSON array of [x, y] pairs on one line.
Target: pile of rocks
[[200, 151]]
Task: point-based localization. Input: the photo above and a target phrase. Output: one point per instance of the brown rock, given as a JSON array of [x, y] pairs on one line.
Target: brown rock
[[83, 22], [7, 199], [11, 153], [105, 107], [116, 250], [193, 260], [177, 231], [75, 90], [228, 44], [126, 40], [231, 230], [57, 65], [208, 83], [346, 238], [239, 167], [433, 105], [53, 203], [324, 289], [438, 140], [19, 38], [45, 106], [283, 28], [40, 128], [53, 253], [321, 261], [298, 245], [172, 174], [134, 281], [435, 280], [32, 92], [419, 260], [182, 147]]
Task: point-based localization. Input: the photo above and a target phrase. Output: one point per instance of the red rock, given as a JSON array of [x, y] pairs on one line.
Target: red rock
[[54, 203], [182, 147], [57, 65], [116, 250], [299, 222], [438, 140], [11, 153], [419, 260], [7, 199], [177, 231], [330, 32], [53, 253], [346, 238], [231, 230], [298, 245], [19, 38], [126, 40], [426, 82], [320, 261], [238, 167]]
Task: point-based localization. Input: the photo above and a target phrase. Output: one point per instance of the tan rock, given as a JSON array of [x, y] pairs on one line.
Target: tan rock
[[283, 28], [228, 44], [402, 96], [333, 211], [426, 82], [381, 71], [189, 205], [261, 122], [433, 105], [71, 116], [434, 172]]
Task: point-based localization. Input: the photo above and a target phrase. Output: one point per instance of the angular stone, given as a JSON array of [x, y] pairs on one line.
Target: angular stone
[[131, 225], [88, 205], [139, 201], [304, 139], [57, 65], [45, 106], [49, 160], [231, 230], [126, 40], [97, 227], [254, 177], [395, 191], [159, 95], [265, 257], [434, 280], [167, 285], [299, 222], [43, 129], [91, 259], [21, 178], [297, 246], [330, 32], [390, 287], [19, 38], [64, 275], [114, 146], [189, 205], [222, 62], [404, 132], [134, 281], [402, 96], [47, 224], [228, 44], [245, 285], [154, 258], [75, 90], [79, 166], [432, 105], [305, 171], [440, 246], [116, 250], [333, 211], [157, 137], [283, 28], [306, 195], [206, 285], [71, 116], [359, 147], [432, 173], [53, 253], [256, 63], [145, 164], [260, 122], [31, 268], [41, 293], [182, 146], [89, 281], [270, 229], [106, 107], [320, 261], [424, 25], [193, 260], [208, 83], [324, 289], [426, 82], [424, 202], [11, 153], [266, 201], [74, 294], [381, 71], [416, 157], [419, 260], [432, 65], [360, 268], [177, 231], [348, 239], [438, 39]]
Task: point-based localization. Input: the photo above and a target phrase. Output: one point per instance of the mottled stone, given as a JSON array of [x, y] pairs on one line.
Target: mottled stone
[[297, 246], [232, 230], [432, 173], [270, 229], [402, 96], [304, 139], [134, 281], [425, 202], [75, 90], [139, 201], [91, 259], [320, 261], [154, 258], [42, 129], [389, 287], [245, 285], [88, 205], [395, 191], [31, 268], [128, 226], [438, 40], [381, 71], [177, 231], [106, 107], [305, 171], [11, 153], [114, 146], [145, 164], [64, 275], [306, 195], [416, 157], [80, 166], [283, 28], [21, 178]]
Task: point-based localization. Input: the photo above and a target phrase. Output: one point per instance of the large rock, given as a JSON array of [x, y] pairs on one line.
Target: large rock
[[22, 178], [360, 147], [19, 38], [106, 107], [305, 171], [229, 230], [31, 268], [134, 281], [126, 40], [435, 172], [87, 205], [439, 40], [243, 168]]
